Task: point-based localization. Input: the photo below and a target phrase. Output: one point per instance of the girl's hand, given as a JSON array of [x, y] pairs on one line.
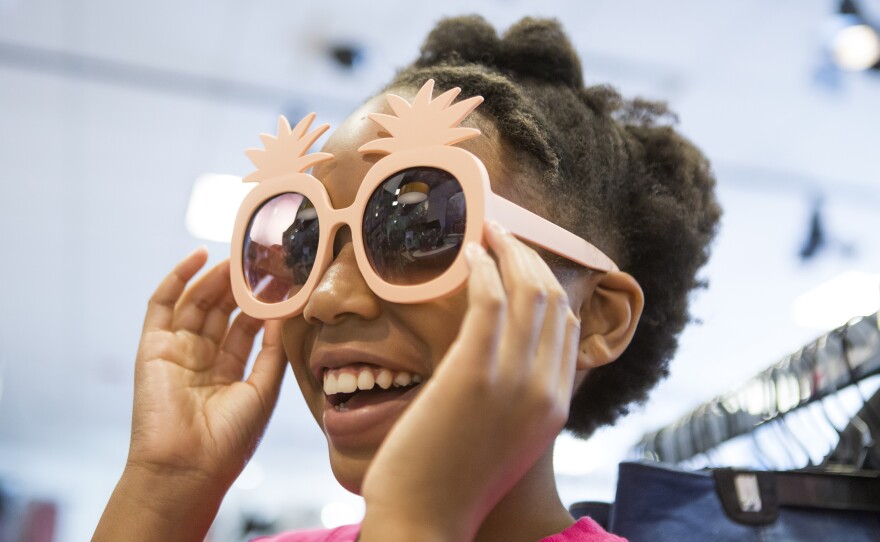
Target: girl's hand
[[195, 422], [193, 414], [491, 409]]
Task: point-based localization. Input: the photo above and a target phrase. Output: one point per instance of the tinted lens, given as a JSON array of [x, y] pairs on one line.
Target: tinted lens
[[280, 247], [414, 225]]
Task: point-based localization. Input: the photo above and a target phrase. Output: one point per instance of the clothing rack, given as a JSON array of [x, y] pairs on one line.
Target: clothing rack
[[820, 369]]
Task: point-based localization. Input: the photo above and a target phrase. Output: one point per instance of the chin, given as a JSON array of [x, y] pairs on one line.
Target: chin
[[350, 469], [355, 434]]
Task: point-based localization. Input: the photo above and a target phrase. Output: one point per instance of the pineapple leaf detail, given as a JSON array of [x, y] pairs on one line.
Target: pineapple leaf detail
[[425, 122], [287, 152]]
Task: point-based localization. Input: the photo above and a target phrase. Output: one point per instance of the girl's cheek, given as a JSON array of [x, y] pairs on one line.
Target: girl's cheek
[[440, 322], [294, 334]]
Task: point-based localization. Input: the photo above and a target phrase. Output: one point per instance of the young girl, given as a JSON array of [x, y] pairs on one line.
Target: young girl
[[440, 353]]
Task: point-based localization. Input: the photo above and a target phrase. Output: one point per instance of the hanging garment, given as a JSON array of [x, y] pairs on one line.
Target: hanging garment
[[860, 441], [660, 503]]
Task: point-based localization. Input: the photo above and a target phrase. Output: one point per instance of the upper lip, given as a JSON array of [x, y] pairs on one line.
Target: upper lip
[[333, 357]]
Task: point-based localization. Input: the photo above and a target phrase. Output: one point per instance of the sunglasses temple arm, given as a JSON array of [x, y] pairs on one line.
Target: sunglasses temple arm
[[541, 232]]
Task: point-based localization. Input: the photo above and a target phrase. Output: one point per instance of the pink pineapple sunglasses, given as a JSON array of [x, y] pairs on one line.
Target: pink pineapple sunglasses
[[414, 210]]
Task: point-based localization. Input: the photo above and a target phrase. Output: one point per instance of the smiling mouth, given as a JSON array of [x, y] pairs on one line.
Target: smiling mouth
[[354, 387]]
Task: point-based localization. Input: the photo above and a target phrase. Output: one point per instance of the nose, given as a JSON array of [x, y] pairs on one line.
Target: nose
[[342, 292]]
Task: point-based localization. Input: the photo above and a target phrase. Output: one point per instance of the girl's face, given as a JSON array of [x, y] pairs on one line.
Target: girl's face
[[347, 331]]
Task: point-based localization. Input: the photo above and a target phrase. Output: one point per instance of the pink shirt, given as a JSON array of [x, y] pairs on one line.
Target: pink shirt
[[584, 530]]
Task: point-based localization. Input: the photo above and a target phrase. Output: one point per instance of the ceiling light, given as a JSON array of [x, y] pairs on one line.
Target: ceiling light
[[213, 205], [854, 43], [856, 47], [414, 192]]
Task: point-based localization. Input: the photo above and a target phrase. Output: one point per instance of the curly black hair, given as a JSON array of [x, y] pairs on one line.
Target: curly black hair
[[611, 170]]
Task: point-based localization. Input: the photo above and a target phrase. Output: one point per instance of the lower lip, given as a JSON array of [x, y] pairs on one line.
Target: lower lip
[[366, 425]]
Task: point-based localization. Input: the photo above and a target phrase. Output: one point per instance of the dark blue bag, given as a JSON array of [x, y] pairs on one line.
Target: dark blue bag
[[659, 503]]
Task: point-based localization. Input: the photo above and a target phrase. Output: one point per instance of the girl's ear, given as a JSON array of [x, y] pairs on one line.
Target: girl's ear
[[609, 316]]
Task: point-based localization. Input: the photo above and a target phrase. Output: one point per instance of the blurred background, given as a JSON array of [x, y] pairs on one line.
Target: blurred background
[[117, 117]]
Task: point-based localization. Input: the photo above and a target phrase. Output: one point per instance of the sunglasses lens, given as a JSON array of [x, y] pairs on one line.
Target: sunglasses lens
[[280, 247], [414, 225]]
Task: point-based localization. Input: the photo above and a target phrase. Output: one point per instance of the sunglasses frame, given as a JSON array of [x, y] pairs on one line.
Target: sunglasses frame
[[481, 204]]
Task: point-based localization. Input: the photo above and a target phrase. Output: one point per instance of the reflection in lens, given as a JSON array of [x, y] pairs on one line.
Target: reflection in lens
[[414, 225], [280, 247]]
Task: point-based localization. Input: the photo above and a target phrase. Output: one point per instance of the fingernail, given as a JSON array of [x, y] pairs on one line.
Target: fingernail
[[497, 228], [473, 250]]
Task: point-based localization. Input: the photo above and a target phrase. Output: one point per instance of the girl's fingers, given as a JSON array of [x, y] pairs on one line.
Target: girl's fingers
[[572, 342], [217, 319], [269, 366], [554, 330], [542, 340], [236, 348], [198, 300], [527, 295], [160, 309], [548, 355], [481, 328]]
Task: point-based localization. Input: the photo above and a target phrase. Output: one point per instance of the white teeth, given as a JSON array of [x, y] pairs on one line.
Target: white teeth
[[346, 383], [366, 380], [402, 379], [330, 386], [384, 379]]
